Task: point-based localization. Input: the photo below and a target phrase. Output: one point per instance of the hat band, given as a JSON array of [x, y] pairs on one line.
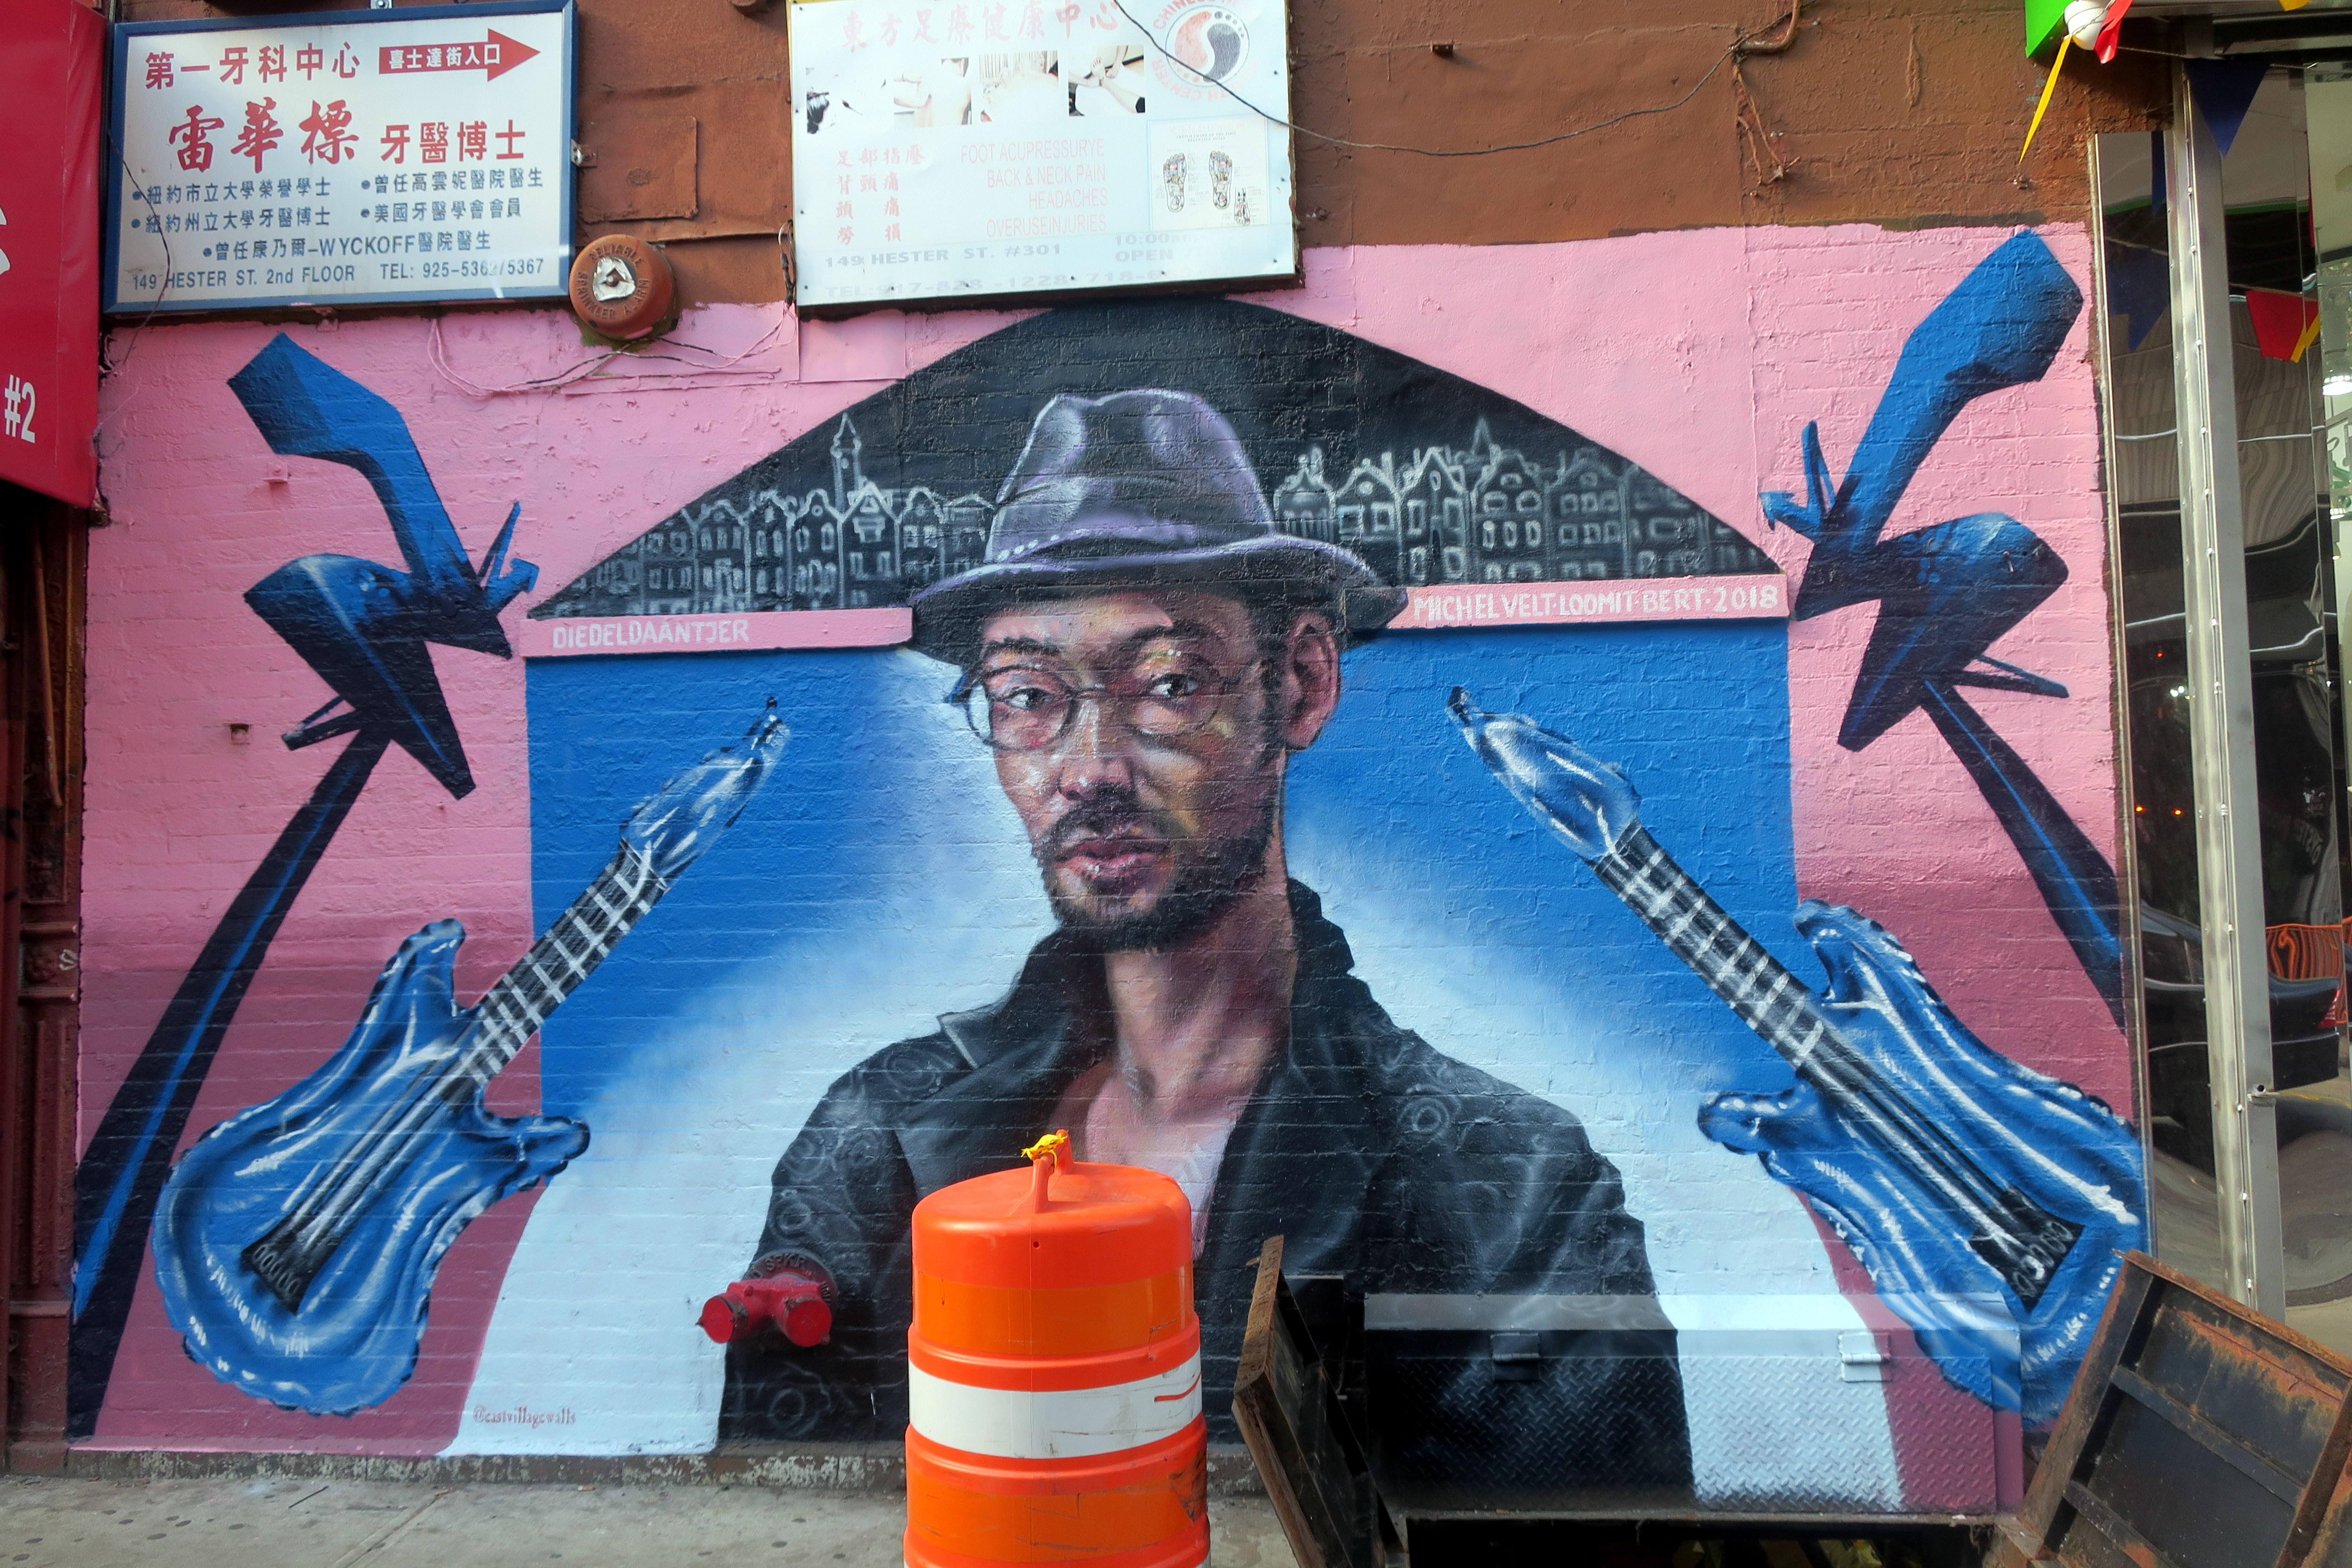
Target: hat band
[[1098, 534]]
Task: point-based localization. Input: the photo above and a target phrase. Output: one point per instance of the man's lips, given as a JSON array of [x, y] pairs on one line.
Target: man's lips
[[1112, 857], [1120, 847]]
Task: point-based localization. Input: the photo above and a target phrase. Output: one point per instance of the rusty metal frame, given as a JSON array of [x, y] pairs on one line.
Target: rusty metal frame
[[1315, 1472], [2305, 1376]]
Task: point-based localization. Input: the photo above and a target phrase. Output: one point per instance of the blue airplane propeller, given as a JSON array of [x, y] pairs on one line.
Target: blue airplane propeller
[[361, 626], [1947, 592]]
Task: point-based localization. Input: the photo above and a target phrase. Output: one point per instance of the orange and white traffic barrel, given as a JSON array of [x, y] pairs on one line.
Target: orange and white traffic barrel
[[1053, 1372]]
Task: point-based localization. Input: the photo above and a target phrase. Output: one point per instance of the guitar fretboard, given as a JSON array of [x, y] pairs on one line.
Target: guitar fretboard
[[1778, 1007], [2019, 1239], [291, 1254], [565, 954]]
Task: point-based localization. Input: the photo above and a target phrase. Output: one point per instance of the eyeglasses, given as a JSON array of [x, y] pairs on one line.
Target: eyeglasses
[[1025, 708]]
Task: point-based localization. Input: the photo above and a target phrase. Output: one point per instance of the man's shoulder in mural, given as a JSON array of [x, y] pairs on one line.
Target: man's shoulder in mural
[[1457, 1180], [1380, 1158], [1142, 651]]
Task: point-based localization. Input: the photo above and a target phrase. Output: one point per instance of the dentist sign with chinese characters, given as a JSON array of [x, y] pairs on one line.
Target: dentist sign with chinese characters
[[342, 158]]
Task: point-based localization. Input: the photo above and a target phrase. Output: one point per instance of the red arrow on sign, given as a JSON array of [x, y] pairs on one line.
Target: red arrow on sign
[[495, 56]]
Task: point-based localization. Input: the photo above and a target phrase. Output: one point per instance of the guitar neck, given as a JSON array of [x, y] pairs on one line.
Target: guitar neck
[[1775, 1004], [2024, 1242], [566, 955]]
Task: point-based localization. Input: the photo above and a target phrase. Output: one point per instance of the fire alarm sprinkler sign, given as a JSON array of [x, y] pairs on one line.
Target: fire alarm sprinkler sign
[[984, 148], [342, 158]]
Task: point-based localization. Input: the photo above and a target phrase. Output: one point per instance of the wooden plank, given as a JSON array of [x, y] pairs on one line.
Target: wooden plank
[[2236, 1392], [2212, 1438], [2013, 1547], [2326, 1498], [2094, 1511], [2063, 1453], [1260, 1416], [1298, 1433], [2331, 1546]]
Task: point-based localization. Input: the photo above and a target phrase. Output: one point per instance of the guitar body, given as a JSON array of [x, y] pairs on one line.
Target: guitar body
[[1989, 1203], [2054, 1146], [353, 1340]]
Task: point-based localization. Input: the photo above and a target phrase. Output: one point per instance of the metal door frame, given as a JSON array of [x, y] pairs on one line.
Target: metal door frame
[[2221, 679]]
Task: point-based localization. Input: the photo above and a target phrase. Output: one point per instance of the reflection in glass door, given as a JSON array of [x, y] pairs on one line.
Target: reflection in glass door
[[2315, 1109], [2267, 178]]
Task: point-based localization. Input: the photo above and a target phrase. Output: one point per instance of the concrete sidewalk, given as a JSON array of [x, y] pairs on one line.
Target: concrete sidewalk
[[273, 1522]]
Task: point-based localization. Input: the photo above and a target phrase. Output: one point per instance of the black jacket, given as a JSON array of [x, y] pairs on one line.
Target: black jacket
[[1378, 1159]]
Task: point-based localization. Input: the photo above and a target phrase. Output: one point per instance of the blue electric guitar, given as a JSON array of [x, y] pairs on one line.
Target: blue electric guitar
[[296, 1242], [1990, 1203]]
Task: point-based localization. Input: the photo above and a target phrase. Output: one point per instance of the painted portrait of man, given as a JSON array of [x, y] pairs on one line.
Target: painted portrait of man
[[1129, 651], [1142, 653]]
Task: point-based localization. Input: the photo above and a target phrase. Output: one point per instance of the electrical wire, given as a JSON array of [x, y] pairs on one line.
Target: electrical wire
[[1744, 44], [438, 352], [140, 191]]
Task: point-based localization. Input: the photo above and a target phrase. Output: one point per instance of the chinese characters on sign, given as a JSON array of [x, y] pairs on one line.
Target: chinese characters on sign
[[342, 159], [983, 148]]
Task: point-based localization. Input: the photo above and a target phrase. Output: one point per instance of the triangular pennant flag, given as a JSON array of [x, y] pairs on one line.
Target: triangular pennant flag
[[2139, 288], [2048, 88], [2224, 90], [2284, 324]]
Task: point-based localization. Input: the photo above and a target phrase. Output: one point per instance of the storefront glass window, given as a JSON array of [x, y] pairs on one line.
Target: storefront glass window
[[2284, 490]]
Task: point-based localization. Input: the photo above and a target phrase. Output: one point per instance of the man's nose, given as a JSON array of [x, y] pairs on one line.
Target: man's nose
[[1093, 753]]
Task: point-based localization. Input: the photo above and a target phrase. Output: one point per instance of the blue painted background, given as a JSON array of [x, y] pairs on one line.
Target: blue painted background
[[884, 820], [881, 879]]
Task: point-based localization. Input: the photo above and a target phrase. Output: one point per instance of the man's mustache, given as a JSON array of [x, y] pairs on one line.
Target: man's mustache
[[1112, 818]]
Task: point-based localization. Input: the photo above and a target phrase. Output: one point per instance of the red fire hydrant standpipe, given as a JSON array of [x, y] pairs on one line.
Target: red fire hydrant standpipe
[[1053, 1372], [798, 1305]]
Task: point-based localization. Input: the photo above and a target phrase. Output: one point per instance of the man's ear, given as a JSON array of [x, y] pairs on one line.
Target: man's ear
[[1310, 679]]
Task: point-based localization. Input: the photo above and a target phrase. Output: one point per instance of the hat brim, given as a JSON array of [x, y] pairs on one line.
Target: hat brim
[[949, 614]]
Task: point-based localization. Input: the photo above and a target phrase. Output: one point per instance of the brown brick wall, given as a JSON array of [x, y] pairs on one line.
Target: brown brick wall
[[1902, 112]]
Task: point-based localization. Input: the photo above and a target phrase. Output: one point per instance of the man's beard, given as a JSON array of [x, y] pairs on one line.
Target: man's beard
[[1202, 890]]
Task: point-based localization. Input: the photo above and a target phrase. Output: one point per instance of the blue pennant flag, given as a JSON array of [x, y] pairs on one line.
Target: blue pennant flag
[[2139, 288], [2224, 90]]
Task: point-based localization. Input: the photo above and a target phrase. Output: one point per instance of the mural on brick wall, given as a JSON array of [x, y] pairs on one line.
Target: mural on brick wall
[[296, 1242], [898, 493], [1460, 958]]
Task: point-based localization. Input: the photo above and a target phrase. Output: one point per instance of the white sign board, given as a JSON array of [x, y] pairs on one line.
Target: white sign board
[[977, 149], [342, 158]]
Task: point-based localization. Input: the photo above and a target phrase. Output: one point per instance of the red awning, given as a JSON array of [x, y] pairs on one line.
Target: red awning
[[49, 122]]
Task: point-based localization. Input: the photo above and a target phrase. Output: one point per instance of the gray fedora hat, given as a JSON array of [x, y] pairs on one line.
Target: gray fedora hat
[[1148, 489]]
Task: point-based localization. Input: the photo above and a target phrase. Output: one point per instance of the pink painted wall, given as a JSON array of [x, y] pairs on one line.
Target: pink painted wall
[[179, 814], [1703, 356], [1699, 355]]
